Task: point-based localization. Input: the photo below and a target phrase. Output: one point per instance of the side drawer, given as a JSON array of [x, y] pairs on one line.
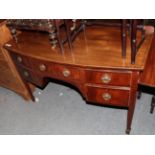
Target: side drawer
[[108, 77], [106, 96], [32, 77], [20, 60]]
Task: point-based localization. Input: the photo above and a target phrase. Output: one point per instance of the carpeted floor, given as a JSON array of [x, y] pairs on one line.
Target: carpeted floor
[[61, 110]]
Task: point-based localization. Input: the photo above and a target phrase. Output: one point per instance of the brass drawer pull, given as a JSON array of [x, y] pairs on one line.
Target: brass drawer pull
[[106, 96], [19, 59], [26, 74], [66, 73], [106, 78], [42, 67]]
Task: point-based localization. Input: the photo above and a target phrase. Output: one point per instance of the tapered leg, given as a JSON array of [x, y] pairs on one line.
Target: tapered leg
[[132, 100], [133, 40], [29, 90], [130, 117], [124, 38], [152, 104]]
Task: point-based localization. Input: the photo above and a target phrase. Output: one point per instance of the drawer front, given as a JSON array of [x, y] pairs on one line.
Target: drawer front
[[26, 74], [67, 72], [108, 78], [20, 60], [33, 64], [32, 77], [106, 96], [41, 66]]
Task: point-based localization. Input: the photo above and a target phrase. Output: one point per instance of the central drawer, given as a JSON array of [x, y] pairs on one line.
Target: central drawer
[[67, 72], [107, 96], [108, 77]]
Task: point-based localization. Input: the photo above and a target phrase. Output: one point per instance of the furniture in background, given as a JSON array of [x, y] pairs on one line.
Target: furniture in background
[[73, 27], [94, 67], [9, 76], [60, 31], [152, 104], [129, 27], [148, 76]]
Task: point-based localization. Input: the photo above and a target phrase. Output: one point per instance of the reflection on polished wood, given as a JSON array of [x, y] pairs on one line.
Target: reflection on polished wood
[[9, 76], [99, 47], [148, 76]]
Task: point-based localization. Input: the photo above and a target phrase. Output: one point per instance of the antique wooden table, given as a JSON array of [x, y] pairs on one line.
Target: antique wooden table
[[94, 65]]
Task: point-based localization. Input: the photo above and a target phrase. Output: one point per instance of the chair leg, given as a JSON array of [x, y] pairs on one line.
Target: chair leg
[[68, 33], [58, 35], [124, 38], [133, 40], [139, 94], [13, 33], [152, 104]]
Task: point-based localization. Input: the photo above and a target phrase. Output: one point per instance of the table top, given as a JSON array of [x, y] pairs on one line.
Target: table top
[[148, 75], [98, 47]]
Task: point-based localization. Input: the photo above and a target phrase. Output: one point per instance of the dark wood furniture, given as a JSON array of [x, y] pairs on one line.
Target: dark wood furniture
[[128, 27], [52, 26], [148, 76], [60, 31], [94, 66], [9, 76]]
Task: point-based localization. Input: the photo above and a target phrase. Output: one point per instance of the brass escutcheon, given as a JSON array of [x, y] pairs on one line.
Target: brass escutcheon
[[66, 72], [26, 74], [42, 67], [106, 96], [19, 59], [106, 78]]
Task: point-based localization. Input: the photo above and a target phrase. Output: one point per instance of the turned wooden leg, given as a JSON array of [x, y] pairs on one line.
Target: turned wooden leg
[[13, 33], [133, 40], [52, 34], [152, 104], [52, 38], [124, 38]]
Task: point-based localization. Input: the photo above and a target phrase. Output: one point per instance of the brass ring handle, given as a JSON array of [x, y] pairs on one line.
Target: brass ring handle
[[42, 67], [66, 73], [19, 59], [106, 96], [26, 74], [106, 78]]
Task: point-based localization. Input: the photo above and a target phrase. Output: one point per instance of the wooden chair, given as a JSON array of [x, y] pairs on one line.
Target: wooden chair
[[52, 26], [133, 26], [126, 25]]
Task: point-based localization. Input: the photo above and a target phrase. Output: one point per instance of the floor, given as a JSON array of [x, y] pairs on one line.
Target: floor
[[61, 110]]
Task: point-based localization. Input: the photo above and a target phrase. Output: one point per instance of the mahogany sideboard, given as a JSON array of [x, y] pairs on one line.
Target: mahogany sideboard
[[94, 65], [9, 76]]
